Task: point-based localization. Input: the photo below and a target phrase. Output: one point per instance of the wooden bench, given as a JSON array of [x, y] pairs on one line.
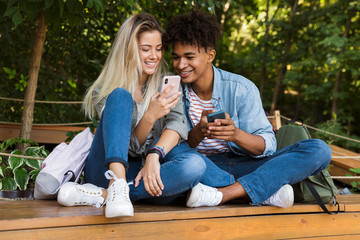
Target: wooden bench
[[40, 134], [39, 219]]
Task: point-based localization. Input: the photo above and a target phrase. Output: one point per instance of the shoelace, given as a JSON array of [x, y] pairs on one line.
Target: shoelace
[[110, 175]]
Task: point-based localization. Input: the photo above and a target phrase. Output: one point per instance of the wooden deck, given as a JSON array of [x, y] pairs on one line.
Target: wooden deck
[[341, 166], [39, 219]]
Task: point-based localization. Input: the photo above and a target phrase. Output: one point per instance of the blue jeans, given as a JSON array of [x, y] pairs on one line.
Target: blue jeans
[[182, 169], [261, 178]]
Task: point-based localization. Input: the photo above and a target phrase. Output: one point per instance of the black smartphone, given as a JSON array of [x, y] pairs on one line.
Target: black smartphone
[[216, 115]]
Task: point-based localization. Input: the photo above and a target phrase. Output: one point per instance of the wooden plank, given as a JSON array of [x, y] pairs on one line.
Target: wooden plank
[[37, 213], [341, 166], [248, 227], [40, 134]]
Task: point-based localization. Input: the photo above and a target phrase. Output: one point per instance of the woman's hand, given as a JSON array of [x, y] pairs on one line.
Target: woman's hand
[[159, 105], [150, 174]]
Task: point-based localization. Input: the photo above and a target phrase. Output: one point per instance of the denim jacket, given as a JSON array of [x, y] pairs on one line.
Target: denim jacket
[[174, 120], [240, 98]]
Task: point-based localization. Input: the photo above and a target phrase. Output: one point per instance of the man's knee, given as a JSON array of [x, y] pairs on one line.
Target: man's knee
[[320, 151], [193, 166]]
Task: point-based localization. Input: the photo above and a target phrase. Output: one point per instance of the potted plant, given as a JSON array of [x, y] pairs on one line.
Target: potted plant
[[18, 174]]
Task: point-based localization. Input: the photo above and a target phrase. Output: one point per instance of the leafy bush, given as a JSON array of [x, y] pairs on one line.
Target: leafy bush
[[20, 172]]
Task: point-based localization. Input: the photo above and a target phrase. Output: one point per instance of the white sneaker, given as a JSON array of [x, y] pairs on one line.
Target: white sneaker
[[202, 195], [284, 197], [118, 202], [74, 194]]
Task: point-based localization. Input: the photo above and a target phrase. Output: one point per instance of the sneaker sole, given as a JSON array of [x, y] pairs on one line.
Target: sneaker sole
[[120, 212]]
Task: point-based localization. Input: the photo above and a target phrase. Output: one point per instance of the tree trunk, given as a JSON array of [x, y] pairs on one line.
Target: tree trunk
[[34, 67], [263, 73], [284, 62]]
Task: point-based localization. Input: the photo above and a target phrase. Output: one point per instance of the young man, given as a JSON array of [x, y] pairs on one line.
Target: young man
[[243, 144]]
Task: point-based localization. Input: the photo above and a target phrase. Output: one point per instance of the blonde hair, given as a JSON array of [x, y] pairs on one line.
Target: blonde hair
[[123, 65]]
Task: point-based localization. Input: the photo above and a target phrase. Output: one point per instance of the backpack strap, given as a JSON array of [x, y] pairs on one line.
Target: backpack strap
[[318, 198], [73, 178]]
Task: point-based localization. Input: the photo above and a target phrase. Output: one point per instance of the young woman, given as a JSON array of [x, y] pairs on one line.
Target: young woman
[[138, 150]]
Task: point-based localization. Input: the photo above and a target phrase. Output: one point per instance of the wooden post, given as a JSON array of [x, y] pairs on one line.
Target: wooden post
[[277, 119]]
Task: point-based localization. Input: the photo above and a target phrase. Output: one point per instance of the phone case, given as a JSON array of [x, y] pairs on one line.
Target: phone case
[[216, 115], [168, 80]]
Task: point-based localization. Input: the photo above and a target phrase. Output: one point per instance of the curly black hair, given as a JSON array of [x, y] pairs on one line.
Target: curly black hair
[[197, 28]]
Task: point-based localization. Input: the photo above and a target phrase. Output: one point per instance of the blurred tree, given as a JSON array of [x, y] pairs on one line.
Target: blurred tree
[[45, 12]]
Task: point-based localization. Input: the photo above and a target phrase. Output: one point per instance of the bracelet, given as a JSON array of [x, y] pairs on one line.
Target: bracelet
[[159, 151]]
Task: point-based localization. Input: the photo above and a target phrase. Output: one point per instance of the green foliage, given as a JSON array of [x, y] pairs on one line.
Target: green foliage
[[355, 185], [16, 172], [21, 85], [324, 37], [55, 11], [8, 143]]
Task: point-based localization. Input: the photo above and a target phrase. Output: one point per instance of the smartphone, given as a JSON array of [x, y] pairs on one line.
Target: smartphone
[[216, 115], [167, 81]]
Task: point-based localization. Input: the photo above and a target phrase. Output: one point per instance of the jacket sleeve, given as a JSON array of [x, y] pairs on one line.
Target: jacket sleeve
[[251, 118]]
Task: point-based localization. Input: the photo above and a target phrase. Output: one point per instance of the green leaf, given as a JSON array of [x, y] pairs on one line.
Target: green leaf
[[34, 173], [14, 161], [32, 151], [21, 178], [48, 3], [355, 170], [7, 70], [8, 184], [97, 4], [17, 18], [90, 4], [10, 11], [130, 3], [2, 171], [33, 163]]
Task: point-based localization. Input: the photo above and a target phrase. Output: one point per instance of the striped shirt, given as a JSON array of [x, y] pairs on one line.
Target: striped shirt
[[206, 146]]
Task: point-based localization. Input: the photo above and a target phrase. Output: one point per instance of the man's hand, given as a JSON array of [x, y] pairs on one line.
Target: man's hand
[[223, 129], [204, 124]]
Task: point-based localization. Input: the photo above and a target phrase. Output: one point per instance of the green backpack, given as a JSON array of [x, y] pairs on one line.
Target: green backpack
[[318, 188]]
